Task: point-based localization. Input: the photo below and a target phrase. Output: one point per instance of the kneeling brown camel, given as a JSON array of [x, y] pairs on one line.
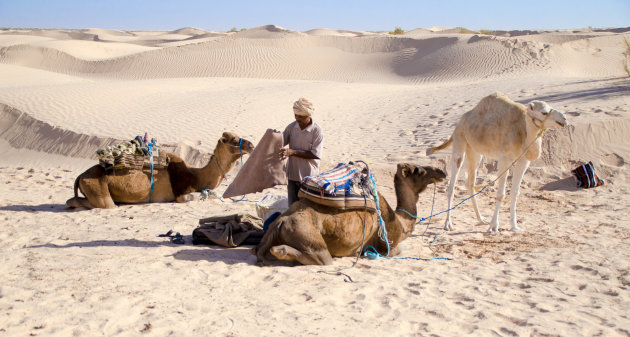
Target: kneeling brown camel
[[174, 183], [310, 233]]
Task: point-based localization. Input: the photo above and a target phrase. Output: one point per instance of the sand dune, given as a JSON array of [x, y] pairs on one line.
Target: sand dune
[[380, 98], [282, 54]]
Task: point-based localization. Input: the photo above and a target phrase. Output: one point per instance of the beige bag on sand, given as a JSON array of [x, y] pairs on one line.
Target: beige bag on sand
[[262, 170]]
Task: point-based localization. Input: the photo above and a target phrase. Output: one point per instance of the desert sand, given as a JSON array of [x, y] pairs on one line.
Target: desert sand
[[379, 98]]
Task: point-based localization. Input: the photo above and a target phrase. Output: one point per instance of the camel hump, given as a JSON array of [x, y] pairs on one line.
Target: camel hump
[[448, 143]]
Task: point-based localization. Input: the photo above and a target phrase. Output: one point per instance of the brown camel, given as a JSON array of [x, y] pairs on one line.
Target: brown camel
[[310, 233], [174, 183]]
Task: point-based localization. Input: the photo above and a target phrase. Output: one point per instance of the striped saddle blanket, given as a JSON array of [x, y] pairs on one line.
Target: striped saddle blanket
[[347, 186], [586, 177]]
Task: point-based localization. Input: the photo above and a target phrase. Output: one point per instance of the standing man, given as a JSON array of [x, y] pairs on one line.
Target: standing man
[[305, 140]]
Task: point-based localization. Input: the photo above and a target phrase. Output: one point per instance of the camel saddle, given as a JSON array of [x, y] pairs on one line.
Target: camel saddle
[[132, 155], [347, 186]]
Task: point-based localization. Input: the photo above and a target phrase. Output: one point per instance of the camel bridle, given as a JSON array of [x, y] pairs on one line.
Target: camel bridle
[[240, 142]]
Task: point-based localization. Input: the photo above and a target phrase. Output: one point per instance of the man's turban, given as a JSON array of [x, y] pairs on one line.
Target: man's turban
[[302, 107]]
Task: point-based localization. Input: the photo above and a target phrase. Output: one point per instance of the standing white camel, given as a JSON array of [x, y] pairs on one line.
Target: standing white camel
[[500, 129]]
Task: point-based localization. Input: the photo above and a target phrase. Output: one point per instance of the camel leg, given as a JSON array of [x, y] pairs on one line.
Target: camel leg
[[517, 176], [288, 253], [78, 202], [97, 195], [473, 162], [494, 224], [457, 160]]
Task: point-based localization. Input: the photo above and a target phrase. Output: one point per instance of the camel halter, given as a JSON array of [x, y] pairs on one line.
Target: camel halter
[[541, 129], [240, 142]]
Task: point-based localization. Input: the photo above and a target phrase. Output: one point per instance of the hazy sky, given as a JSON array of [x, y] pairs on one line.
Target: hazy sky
[[368, 15]]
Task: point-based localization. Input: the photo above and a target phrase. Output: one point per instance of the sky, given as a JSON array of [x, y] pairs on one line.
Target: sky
[[303, 15]]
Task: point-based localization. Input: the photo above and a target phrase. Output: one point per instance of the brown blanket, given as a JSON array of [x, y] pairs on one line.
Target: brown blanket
[[228, 230], [262, 170]]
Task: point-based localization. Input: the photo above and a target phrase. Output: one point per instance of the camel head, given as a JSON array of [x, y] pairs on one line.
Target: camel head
[[541, 112], [416, 178], [233, 144]]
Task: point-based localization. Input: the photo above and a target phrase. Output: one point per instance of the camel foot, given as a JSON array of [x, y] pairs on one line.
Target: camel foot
[[448, 226], [493, 230], [74, 203], [516, 229]]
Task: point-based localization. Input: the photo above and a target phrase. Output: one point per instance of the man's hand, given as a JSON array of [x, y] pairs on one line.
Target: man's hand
[[285, 153]]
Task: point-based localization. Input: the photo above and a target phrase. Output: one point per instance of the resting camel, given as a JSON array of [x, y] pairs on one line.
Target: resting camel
[[310, 233], [500, 129], [174, 183]]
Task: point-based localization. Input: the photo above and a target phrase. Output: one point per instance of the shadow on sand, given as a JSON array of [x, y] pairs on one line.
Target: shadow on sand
[[53, 208], [211, 253]]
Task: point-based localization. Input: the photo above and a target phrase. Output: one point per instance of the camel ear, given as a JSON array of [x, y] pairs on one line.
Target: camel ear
[[419, 171], [404, 172], [225, 137]]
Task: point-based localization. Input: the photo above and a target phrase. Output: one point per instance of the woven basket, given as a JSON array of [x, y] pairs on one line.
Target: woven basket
[[129, 161]]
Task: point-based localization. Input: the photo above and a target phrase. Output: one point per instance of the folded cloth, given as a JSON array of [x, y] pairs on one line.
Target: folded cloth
[[262, 170], [229, 230]]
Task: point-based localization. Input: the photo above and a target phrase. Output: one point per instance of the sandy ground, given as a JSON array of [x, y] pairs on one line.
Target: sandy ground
[[379, 98]]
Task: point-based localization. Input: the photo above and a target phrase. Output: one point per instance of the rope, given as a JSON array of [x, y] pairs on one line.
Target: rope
[[243, 198], [540, 132], [207, 192], [150, 147]]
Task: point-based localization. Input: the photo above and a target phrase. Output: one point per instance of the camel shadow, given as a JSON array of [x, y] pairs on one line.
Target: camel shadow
[[213, 253], [115, 243], [52, 208], [566, 184]]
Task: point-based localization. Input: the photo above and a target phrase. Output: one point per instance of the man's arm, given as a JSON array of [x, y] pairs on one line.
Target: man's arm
[[284, 153]]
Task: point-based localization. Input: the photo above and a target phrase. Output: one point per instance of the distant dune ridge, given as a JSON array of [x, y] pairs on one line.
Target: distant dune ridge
[[380, 98]]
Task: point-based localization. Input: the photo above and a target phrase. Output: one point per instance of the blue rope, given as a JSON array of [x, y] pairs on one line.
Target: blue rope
[[243, 198], [208, 191], [450, 209], [381, 223], [373, 254], [150, 147]]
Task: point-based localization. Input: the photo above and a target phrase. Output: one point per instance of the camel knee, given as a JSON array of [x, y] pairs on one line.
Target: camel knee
[[288, 253], [78, 202]]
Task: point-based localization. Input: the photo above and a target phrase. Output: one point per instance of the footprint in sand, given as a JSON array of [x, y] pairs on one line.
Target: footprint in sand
[[613, 159]]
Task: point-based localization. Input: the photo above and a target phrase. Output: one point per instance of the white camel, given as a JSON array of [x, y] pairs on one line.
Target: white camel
[[500, 129]]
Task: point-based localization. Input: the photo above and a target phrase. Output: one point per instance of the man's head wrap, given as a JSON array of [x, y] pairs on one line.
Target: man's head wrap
[[302, 107]]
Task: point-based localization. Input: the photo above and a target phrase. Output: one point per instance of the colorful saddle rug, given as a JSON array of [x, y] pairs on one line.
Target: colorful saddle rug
[[347, 186]]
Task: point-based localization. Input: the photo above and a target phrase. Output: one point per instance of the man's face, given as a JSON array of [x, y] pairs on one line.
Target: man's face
[[303, 121]]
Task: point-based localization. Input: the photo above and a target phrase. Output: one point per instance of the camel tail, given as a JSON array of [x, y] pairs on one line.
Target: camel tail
[[76, 185], [441, 147]]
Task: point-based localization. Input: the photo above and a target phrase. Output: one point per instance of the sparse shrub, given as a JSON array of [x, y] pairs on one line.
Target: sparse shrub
[[463, 30], [485, 32], [397, 31], [233, 30]]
